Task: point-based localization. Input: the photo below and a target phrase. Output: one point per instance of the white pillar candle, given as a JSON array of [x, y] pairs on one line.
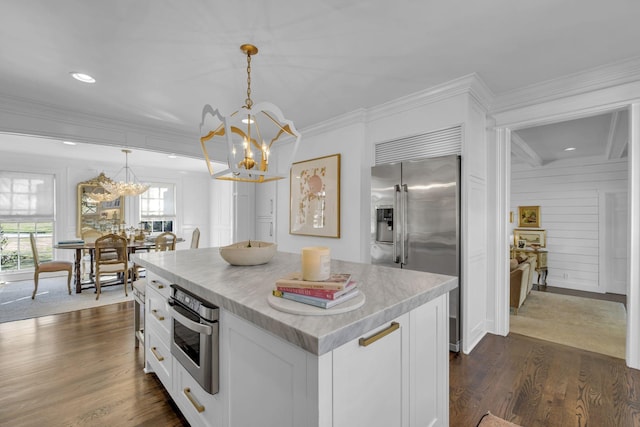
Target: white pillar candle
[[316, 263]]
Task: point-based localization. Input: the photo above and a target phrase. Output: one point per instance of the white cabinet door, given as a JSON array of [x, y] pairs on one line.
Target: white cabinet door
[[265, 195], [264, 230], [265, 377], [429, 363], [370, 379]]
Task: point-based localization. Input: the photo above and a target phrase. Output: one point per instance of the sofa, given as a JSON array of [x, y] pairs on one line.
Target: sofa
[[521, 280]]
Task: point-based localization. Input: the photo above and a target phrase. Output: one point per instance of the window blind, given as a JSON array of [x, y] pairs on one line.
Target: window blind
[[26, 196], [158, 201]]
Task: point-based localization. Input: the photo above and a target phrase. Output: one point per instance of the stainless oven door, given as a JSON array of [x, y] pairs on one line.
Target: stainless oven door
[[194, 344]]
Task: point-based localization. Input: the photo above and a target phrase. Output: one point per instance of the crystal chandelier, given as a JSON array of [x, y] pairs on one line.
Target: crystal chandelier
[[103, 196], [248, 136], [128, 187], [99, 194]]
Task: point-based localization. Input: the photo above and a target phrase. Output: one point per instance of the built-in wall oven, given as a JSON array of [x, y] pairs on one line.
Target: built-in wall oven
[[194, 337]]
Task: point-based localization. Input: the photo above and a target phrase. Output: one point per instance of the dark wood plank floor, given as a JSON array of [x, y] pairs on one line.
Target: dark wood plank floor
[[537, 383], [79, 369]]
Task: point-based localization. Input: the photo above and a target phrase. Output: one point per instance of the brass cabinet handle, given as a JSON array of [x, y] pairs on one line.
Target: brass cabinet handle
[[194, 402], [160, 285], [158, 356], [157, 316], [383, 333]]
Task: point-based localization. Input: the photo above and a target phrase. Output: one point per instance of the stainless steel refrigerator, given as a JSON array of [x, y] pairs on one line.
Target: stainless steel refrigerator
[[415, 208]]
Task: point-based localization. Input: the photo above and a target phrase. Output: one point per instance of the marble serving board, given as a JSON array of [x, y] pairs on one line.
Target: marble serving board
[[242, 290]]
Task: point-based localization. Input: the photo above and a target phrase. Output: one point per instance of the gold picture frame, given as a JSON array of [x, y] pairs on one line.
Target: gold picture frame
[[315, 197], [529, 216], [535, 237], [103, 216]]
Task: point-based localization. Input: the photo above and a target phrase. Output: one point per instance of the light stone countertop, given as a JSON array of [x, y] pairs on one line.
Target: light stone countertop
[[389, 292]]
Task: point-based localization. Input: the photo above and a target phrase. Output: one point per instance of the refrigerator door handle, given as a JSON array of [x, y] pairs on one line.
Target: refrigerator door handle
[[396, 223], [405, 224]]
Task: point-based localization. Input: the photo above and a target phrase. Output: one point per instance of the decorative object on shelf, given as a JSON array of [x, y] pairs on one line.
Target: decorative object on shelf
[[249, 252], [529, 216], [129, 187], [96, 214], [315, 197], [252, 127], [522, 244], [531, 237], [316, 263]]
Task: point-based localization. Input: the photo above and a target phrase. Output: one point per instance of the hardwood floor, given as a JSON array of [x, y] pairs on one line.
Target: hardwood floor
[[537, 383], [82, 369], [79, 369], [594, 295]]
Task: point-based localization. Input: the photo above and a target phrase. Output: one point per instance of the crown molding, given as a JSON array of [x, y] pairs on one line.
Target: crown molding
[[593, 79], [343, 120], [470, 84]]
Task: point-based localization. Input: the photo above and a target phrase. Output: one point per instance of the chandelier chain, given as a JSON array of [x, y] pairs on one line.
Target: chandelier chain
[[248, 101]]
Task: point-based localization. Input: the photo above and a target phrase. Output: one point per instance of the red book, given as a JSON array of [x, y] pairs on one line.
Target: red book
[[336, 281], [329, 294]]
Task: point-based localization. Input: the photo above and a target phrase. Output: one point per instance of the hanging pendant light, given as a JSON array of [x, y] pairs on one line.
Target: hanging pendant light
[[248, 137], [129, 187], [99, 194]]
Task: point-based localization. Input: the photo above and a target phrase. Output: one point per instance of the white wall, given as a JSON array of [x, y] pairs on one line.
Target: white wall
[[192, 190], [348, 141], [355, 139], [569, 196]]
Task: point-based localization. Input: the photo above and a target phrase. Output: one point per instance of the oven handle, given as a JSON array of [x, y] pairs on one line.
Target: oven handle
[[194, 326]]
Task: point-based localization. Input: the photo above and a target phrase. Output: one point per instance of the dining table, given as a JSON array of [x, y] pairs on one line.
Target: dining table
[[80, 247]]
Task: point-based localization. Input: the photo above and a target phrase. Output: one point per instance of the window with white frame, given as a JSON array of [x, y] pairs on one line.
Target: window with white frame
[[158, 208], [26, 206]]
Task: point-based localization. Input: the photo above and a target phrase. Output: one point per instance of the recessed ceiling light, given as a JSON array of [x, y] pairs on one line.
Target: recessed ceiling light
[[68, 142], [85, 78], [570, 149]]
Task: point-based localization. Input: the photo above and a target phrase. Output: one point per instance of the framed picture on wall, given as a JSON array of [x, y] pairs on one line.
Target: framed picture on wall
[[530, 237], [315, 197], [529, 216]]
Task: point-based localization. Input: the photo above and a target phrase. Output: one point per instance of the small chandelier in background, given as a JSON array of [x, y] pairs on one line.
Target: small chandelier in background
[[248, 137], [129, 187], [99, 194]]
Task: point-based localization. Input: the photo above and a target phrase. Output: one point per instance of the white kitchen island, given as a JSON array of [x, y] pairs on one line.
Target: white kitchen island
[[280, 369]]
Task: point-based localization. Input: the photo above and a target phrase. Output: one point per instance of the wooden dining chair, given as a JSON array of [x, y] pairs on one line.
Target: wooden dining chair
[[166, 242], [47, 267], [89, 236], [111, 257], [195, 238]]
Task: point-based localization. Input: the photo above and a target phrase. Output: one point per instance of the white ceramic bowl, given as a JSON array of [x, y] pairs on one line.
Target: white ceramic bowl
[[241, 254]]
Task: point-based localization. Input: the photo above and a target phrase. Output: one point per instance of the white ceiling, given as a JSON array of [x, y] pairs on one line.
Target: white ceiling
[[158, 62]]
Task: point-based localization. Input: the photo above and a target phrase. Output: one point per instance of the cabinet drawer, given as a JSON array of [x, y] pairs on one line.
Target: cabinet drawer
[[157, 313], [198, 407], [158, 356], [158, 284], [542, 260]]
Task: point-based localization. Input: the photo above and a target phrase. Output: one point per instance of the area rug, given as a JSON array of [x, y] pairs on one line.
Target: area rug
[[585, 323], [52, 298]]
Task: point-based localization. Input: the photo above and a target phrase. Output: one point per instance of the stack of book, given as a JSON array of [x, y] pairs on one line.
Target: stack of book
[[337, 289]]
